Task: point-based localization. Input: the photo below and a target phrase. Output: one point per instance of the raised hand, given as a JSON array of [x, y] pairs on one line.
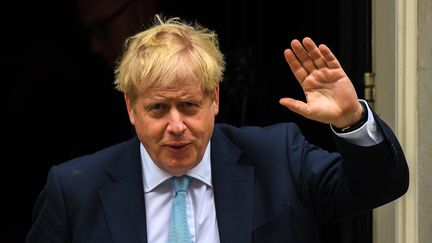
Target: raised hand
[[330, 95]]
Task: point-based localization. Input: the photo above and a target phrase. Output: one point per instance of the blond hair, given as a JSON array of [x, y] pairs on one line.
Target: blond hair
[[167, 54]]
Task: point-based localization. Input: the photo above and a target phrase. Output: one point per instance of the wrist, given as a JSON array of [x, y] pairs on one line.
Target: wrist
[[363, 119]]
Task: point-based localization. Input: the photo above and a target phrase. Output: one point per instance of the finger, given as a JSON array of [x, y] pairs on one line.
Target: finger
[[303, 56], [314, 53], [331, 60], [298, 70], [296, 106]]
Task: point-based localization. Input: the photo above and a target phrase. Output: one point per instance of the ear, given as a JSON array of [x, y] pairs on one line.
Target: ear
[[130, 109], [216, 101]]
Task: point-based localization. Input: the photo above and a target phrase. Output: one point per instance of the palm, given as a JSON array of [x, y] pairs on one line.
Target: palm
[[330, 95]]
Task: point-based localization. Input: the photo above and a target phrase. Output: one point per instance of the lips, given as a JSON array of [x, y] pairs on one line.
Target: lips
[[178, 147]]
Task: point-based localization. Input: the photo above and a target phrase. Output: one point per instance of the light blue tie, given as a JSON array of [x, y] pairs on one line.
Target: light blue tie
[[179, 228]]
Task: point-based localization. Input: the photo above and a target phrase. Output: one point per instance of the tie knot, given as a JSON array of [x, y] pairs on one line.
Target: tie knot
[[180, 183]]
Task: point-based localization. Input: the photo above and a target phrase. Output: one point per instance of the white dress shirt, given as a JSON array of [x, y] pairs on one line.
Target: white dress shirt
[[158, 195], [201, 211]]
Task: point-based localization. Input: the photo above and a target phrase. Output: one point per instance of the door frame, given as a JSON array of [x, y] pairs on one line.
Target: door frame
[[394, 61]]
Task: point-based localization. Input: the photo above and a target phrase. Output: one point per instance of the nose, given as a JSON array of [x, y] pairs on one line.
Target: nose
[[176, 123]]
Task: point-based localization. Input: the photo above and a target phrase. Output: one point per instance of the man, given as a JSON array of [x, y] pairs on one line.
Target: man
[[247, 184]]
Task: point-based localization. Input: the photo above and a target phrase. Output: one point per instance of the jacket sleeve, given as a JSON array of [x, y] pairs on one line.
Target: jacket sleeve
[[50, 217], [357, 179]]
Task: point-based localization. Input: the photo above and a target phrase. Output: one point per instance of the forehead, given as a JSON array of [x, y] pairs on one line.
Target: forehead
[[178, 90], [174, 80]]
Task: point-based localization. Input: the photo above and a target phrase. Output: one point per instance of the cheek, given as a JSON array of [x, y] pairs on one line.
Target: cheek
[[149, 130], [206, 127]]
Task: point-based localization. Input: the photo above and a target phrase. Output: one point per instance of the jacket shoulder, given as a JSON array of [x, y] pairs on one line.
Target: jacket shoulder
[[93, 166], [258, 134], [256, 140]]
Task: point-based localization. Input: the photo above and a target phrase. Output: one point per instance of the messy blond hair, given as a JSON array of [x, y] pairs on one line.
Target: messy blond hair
[[167, 54]]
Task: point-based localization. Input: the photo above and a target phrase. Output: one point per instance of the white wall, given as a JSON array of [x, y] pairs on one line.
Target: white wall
[[402, 61]]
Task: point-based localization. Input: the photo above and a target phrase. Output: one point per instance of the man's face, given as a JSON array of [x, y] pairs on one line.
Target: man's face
[[175, 124]]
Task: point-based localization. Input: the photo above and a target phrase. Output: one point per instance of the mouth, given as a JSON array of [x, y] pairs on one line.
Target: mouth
[[178, 147]]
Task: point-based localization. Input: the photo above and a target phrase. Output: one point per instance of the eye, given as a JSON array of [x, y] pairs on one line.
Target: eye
[[188, 107], [187, 104], [157, 107]]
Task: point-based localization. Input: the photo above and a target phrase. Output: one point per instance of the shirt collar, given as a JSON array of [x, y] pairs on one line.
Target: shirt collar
[[153, 176]]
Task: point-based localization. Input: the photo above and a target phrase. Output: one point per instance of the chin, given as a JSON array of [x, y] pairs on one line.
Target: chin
[[179, 169]]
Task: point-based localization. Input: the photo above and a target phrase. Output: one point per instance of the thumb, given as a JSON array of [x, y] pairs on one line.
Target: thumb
[[296, 106]]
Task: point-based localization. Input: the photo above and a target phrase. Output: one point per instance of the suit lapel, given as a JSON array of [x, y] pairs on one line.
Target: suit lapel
[[123, 200], [233, 191]]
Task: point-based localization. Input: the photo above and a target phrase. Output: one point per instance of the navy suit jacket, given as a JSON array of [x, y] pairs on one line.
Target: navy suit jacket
[[270, 185]]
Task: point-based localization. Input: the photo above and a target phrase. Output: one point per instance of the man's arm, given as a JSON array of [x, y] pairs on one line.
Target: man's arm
[[372, 169]]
